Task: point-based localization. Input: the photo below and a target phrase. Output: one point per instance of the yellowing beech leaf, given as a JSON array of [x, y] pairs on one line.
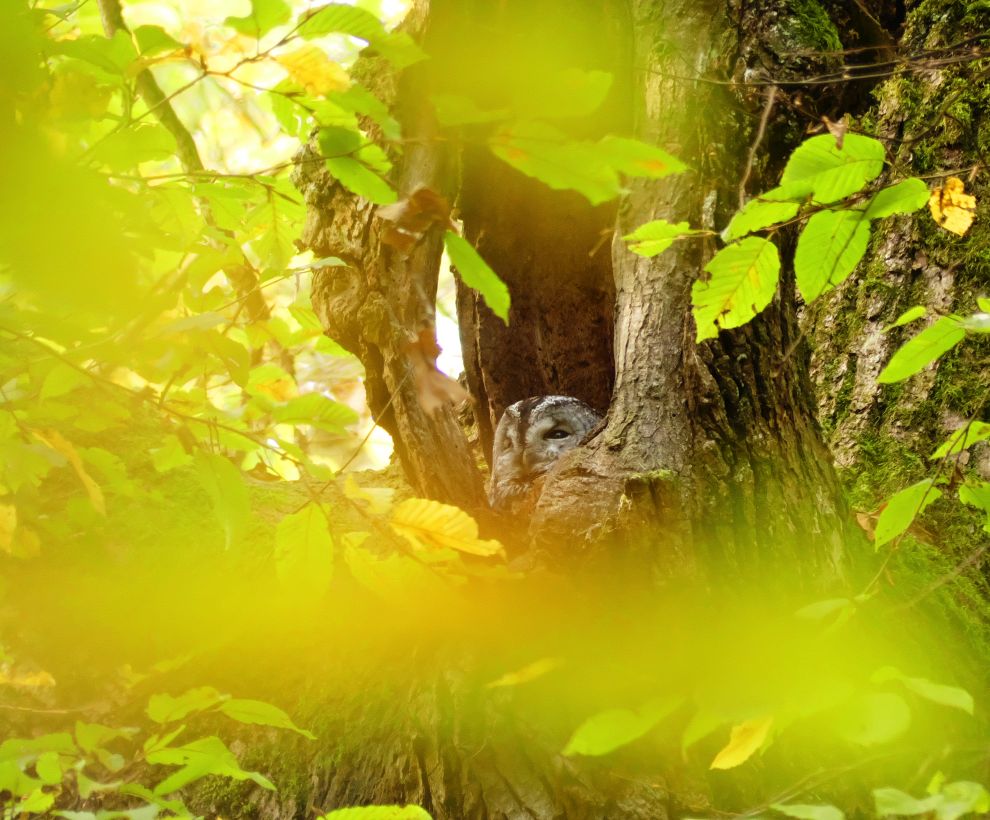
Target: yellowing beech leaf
[[313, 70], [431, 525], [8, 523], [951, 208], [55, 440], [744, 741], [531, 671]]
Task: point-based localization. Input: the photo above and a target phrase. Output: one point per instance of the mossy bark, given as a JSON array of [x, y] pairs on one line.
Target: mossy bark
[[935, 121]]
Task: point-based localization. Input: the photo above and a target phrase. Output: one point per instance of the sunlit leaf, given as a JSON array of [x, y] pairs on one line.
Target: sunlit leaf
[[202, 757], [434, 526], [260, 713], [655, 237], [936, 692], [759, 213], [828, 250], [742, 283], [910, 315], [830, 173], [317, 410], [476, 274], [977, 494], [902, 508], [905, 197], [745, 740], [965, 437], [635, 158], [8, 524], [541, 151], [612, 729], [264, 16], [923, 349], [530, 672], [378, 813], [164, 708], [57, 442], [304, 551], [314, 70], [872, 719], [226, 490]]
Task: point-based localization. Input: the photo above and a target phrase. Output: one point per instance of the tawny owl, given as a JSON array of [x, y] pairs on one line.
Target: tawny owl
[[531, 435]]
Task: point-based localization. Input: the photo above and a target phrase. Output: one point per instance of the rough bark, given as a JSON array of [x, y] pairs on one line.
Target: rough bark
[[382, 300], [550, 247], [716, 444], [711, 459], [935, 120]]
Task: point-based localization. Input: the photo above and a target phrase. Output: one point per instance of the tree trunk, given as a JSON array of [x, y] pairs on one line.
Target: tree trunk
[[711, 461], [936, 121]]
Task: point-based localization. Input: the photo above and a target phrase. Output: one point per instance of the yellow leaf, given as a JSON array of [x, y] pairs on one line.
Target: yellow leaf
[[55, 440], [378, 499], [8, 523], [314, 71], [532, 671], [951, 208], [431, 525], [744, 741]]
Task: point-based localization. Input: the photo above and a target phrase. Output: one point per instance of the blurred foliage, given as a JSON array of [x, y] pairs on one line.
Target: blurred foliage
[[172, 420]]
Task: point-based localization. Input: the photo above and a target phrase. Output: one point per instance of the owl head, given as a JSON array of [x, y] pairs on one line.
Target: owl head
[[531, 435]]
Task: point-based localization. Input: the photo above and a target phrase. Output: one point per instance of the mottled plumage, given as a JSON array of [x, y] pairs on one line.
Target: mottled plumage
[[531, 435]]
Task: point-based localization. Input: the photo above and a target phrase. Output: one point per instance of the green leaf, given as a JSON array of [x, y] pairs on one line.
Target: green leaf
[[337, 18], [905, 197], [966, 436], [757, 214], [261, 714], [62, 379], [304, 551], [609, 730], [475, 273], [202, 757], [170, 455], [359, 100], [154, 40], [818, 167], [983, 304], [873, 719], [936, 692], [168, 709], [638, 159], [743, 281], [48, 768], [908, 316], [264, 16], [960, 798], [92, 736], [828, 250], [125, 149], [378, 813], [223, 484], [902, 508], [923, 349], [655, 237], [893, 801], [544, 153], [361, 180], [37, 802], [977, 495], [808, 812], [316, 410]]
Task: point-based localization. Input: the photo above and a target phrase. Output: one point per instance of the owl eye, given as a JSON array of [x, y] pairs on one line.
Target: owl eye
[[557, 432]]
